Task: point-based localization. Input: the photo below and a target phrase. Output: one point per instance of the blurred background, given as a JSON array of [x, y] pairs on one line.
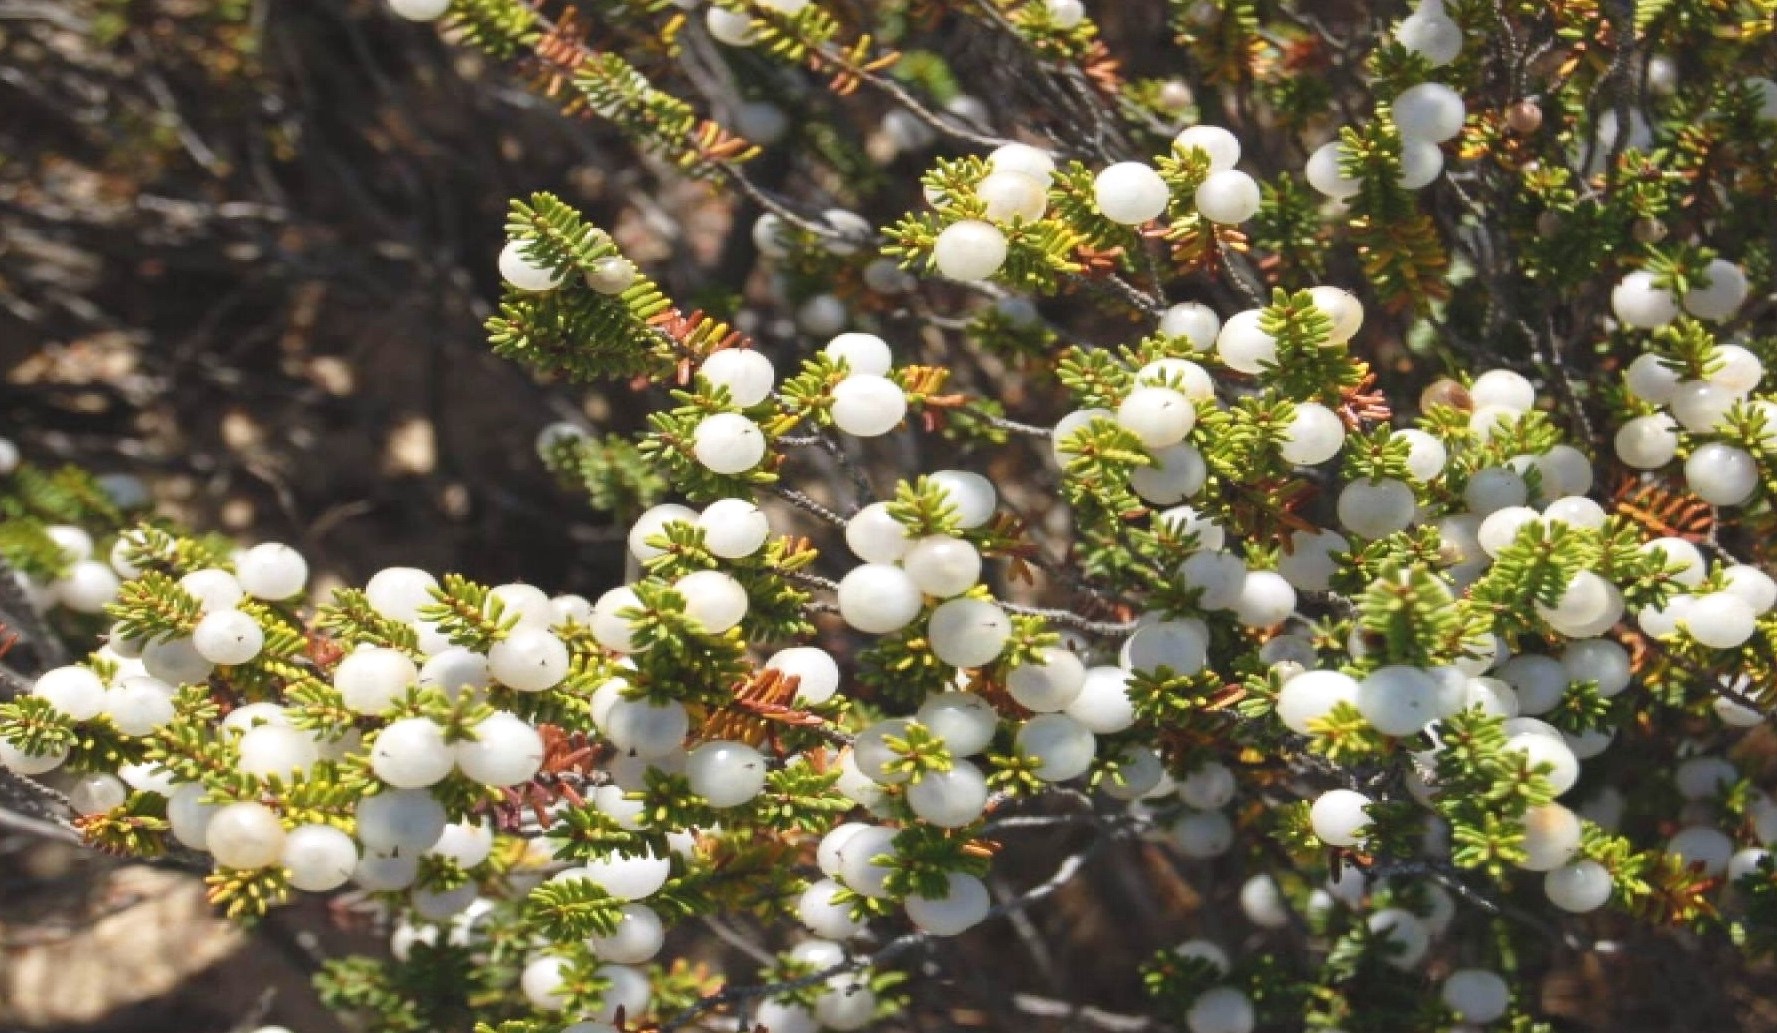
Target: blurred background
[[245, 253]]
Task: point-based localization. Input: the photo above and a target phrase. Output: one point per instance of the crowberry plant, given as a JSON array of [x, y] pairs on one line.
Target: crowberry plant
[[1337, 463]]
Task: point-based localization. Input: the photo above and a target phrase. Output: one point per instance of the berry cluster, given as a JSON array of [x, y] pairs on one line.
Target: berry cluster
[[1330, 592]]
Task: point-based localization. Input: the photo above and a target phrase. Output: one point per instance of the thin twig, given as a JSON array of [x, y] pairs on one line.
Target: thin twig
[[808, 505], [1115, 1022], [1016, 427], [39, 827]]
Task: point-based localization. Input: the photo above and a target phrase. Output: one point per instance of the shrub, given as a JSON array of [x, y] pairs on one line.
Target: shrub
[[1341, 465]]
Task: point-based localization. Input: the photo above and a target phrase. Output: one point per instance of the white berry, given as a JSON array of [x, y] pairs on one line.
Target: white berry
[[868, 406], [748, 375], [1130, 193], [1339, 817], [524, 273], [969, 250], [728, 443], [878, 598], [1228, 197]]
